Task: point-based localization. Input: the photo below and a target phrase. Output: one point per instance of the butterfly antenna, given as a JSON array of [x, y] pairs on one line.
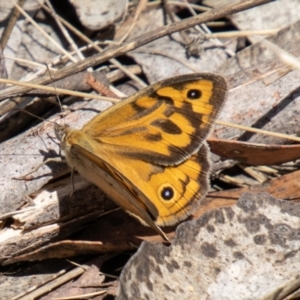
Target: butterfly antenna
[[54, 86], [33, 115]]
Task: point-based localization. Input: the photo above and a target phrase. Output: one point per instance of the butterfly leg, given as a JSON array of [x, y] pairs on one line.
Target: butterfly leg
[[73, 183], [25, 176]]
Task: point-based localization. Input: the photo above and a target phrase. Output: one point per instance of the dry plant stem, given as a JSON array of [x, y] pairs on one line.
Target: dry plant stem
[[140, 7], [64, 31], [77, 265], [184, 36], [169, 55], [231, 180], [99, 86], [99, 49], [256, 130], [57, 90], [116, 75], [141, 40], [8, 29], [231, 34], [39, 291], [218, 24], [267, 169], [203, 29], [44, 33], [258, 176], [12, 213], [82, 296], [117, 92], [29, 64], [196, 7], [56, 60]]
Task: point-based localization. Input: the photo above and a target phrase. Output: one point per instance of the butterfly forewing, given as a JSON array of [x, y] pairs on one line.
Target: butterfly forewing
[[164, 123]]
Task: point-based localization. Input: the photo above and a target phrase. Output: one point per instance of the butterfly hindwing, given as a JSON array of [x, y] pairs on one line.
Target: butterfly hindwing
[[157, 195]]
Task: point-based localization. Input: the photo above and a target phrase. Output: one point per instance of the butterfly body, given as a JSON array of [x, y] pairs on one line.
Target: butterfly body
[[148, 152]]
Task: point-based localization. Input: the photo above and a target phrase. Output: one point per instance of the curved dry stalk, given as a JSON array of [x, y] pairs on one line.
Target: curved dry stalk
[[139, 41]]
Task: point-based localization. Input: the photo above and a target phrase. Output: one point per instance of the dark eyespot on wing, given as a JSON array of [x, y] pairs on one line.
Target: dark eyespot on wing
[[167, 126], [167, 193], [194, 94]]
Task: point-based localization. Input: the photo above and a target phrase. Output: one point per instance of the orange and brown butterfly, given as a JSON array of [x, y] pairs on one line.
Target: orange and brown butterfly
[[148, 152]]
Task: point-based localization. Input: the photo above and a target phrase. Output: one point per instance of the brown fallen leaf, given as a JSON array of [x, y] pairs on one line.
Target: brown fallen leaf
[[254, 154]]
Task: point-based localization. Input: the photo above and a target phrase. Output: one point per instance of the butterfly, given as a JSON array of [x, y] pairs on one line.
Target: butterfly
[[148, 153]]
